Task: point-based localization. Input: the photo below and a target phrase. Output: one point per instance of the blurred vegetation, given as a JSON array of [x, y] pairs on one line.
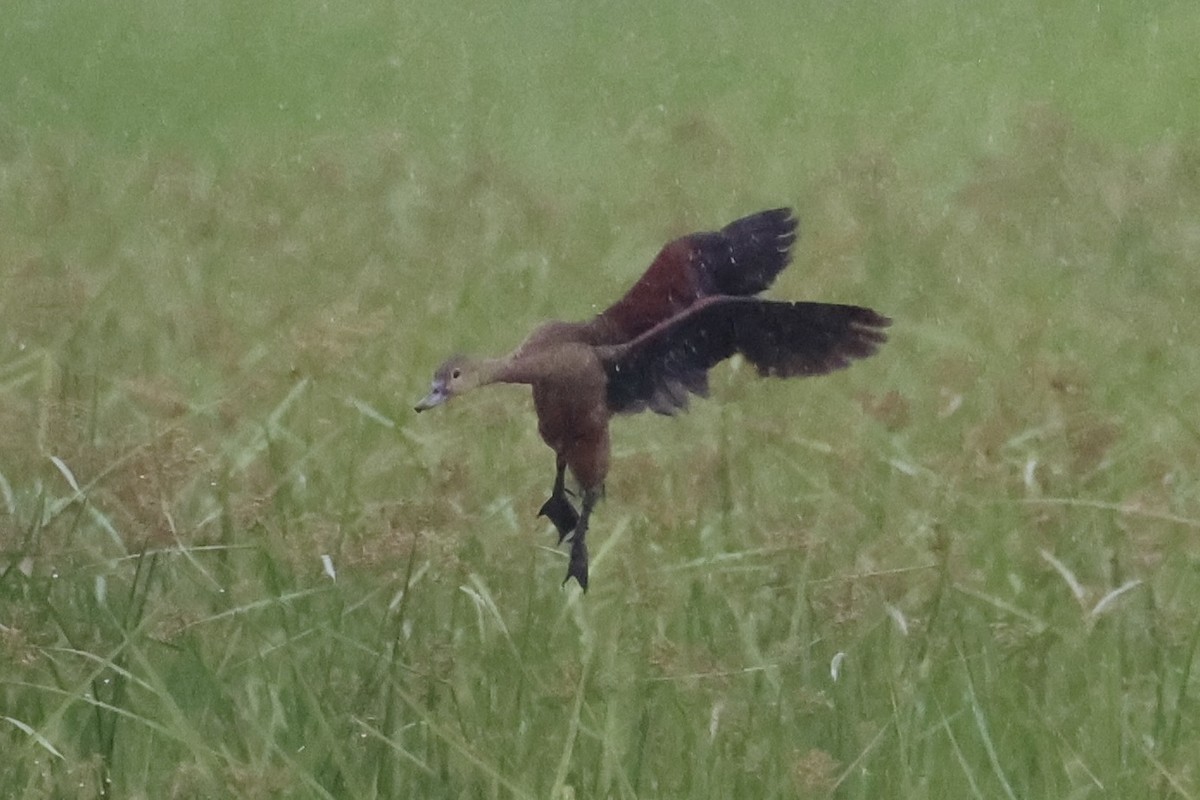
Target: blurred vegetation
[[237, 240]]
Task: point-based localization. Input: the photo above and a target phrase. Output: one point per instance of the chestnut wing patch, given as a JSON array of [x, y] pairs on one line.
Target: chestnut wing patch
[[743, 258]]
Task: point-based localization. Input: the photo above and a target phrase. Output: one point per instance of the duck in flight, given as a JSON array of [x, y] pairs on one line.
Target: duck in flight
[[696, 305]]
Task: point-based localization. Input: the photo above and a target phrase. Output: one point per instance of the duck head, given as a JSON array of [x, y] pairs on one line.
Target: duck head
[[457, 375]]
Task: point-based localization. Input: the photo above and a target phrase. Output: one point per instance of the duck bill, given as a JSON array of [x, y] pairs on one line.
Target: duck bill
[[436, 397]]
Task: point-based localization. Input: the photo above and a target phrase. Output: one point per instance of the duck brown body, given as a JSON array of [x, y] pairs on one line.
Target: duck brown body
[[695, 306]]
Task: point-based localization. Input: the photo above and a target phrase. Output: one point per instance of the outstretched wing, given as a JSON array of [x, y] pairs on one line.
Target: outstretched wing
[[661, 367], [743, 258]]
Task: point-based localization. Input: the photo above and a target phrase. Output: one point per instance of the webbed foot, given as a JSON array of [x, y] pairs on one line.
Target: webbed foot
[[558, 509], [578, 566]]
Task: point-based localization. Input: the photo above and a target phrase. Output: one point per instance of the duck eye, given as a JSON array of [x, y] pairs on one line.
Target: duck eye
[[456, 374]]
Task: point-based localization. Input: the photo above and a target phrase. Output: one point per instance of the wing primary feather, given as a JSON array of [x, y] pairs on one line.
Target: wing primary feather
[[659, 369], [741, 259]]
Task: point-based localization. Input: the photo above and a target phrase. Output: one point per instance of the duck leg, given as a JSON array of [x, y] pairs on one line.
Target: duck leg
[[578, 566], [558, 508]]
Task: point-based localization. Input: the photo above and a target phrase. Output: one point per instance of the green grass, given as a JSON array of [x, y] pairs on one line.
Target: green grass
[[236, 244]]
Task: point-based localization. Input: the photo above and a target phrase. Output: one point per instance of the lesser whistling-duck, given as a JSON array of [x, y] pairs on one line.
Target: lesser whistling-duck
[[694, 307]]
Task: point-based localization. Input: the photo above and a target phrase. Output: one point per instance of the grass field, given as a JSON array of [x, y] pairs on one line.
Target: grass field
[[235, 240]]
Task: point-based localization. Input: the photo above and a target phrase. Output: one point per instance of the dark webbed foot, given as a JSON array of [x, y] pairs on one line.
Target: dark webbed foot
[[558, 509], [578, 566]]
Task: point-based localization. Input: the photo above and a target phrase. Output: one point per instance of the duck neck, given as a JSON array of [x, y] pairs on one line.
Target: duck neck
[[507, 369], [488, 371]]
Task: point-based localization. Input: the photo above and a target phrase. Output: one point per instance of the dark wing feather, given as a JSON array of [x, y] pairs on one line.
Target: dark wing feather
[[661, 367], [747, 254], [743, 258]]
